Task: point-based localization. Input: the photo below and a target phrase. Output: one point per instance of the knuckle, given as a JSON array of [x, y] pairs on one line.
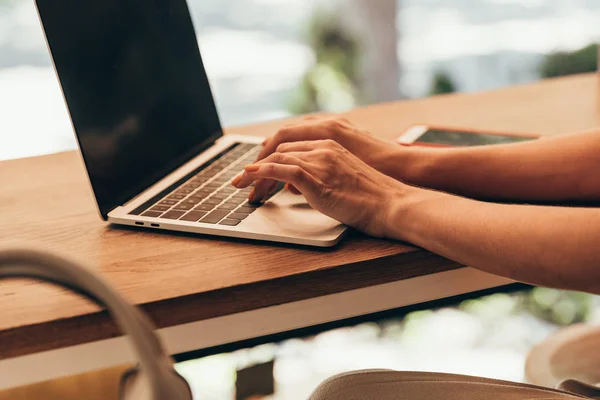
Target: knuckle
[[281, 148], [284, 158], [283, 131], [282, 134], [275, 157], [329, 155], [279, 157], [297, 173], [330, 143], [324, 192], [332, 125], [338, 122]]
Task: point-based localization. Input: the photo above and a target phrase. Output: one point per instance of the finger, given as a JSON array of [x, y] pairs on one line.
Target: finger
[[292, 174], [309, 130], [292, 188], [261, 187], [304, 146], [311, 117]]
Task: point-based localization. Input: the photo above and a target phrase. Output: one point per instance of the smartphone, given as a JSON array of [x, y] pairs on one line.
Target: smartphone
[[438, 136]]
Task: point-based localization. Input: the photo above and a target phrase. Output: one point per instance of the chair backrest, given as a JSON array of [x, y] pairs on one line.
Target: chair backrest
[[156, 378]]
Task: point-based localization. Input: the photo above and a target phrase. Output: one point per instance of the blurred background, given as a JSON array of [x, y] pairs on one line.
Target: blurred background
[[488, 336], [269, 59]]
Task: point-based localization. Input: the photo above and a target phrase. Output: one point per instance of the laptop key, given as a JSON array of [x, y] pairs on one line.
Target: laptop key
[[152, 214], [176, 197], [230, 222], [183, 207], [227, 206], [252, 205], [161, 209], [168, 203], [193, 216], [204, 192], [238, 216], [237, 200], [204, 207], [246, 146], [245, 210], [214, 216], [199, 196], [191, 200], [212, 201], [173, 214]]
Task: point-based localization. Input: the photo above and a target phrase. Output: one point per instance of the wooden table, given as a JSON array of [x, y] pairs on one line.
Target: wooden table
[[204, 292]]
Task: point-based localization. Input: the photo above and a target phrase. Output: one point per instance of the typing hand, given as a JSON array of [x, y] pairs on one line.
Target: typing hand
[[333, 180], [358, 141]]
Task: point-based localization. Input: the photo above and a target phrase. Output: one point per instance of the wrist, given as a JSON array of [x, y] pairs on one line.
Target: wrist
[[404, 163], [406, 212]]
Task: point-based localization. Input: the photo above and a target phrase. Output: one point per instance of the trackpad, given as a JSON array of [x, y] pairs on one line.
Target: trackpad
[[288, 214]]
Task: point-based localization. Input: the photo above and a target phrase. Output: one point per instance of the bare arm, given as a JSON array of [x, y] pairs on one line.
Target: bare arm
[[348, 175], [557, 169], [551, 246]]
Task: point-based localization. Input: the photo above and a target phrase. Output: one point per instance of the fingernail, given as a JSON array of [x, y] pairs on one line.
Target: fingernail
[[252, 167], [251, 195], [236, 180]]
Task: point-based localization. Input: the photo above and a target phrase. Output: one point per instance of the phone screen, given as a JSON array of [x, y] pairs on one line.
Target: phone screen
[[462, 138]]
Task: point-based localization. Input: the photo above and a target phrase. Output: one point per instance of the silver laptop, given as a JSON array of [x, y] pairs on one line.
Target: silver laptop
[[148, 129]]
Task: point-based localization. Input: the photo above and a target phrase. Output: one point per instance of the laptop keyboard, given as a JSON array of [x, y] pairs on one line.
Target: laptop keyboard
[[208, 197]]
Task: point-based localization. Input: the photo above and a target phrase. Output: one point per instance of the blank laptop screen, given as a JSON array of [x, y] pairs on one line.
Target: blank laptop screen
[[135, 86]]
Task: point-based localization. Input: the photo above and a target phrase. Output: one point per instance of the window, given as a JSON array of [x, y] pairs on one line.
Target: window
[[272, 58]]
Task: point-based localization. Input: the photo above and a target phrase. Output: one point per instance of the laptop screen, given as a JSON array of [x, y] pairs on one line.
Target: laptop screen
[[135, 86]]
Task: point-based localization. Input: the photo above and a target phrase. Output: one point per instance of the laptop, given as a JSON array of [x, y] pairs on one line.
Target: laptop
[[148, 129]]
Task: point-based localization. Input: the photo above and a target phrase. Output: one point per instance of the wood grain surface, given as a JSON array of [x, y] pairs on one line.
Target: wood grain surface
[[45, 202]]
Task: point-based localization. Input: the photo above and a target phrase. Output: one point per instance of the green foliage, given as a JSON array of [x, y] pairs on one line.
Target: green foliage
[[330, 84], [568, 63], [442, 83], [491, 307], [332, 43], [558, 306]]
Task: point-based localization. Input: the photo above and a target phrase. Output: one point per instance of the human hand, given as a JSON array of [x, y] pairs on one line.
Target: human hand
[[333, 180], [356, 140]]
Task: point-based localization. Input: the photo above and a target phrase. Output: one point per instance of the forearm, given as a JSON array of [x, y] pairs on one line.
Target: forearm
[[555, 169], [550, 246]]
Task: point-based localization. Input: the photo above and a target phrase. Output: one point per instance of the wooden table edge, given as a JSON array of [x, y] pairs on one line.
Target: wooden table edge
[[243, 326], [212, 304]]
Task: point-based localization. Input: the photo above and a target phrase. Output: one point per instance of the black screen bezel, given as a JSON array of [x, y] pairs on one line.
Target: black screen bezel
[[105, 209]]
